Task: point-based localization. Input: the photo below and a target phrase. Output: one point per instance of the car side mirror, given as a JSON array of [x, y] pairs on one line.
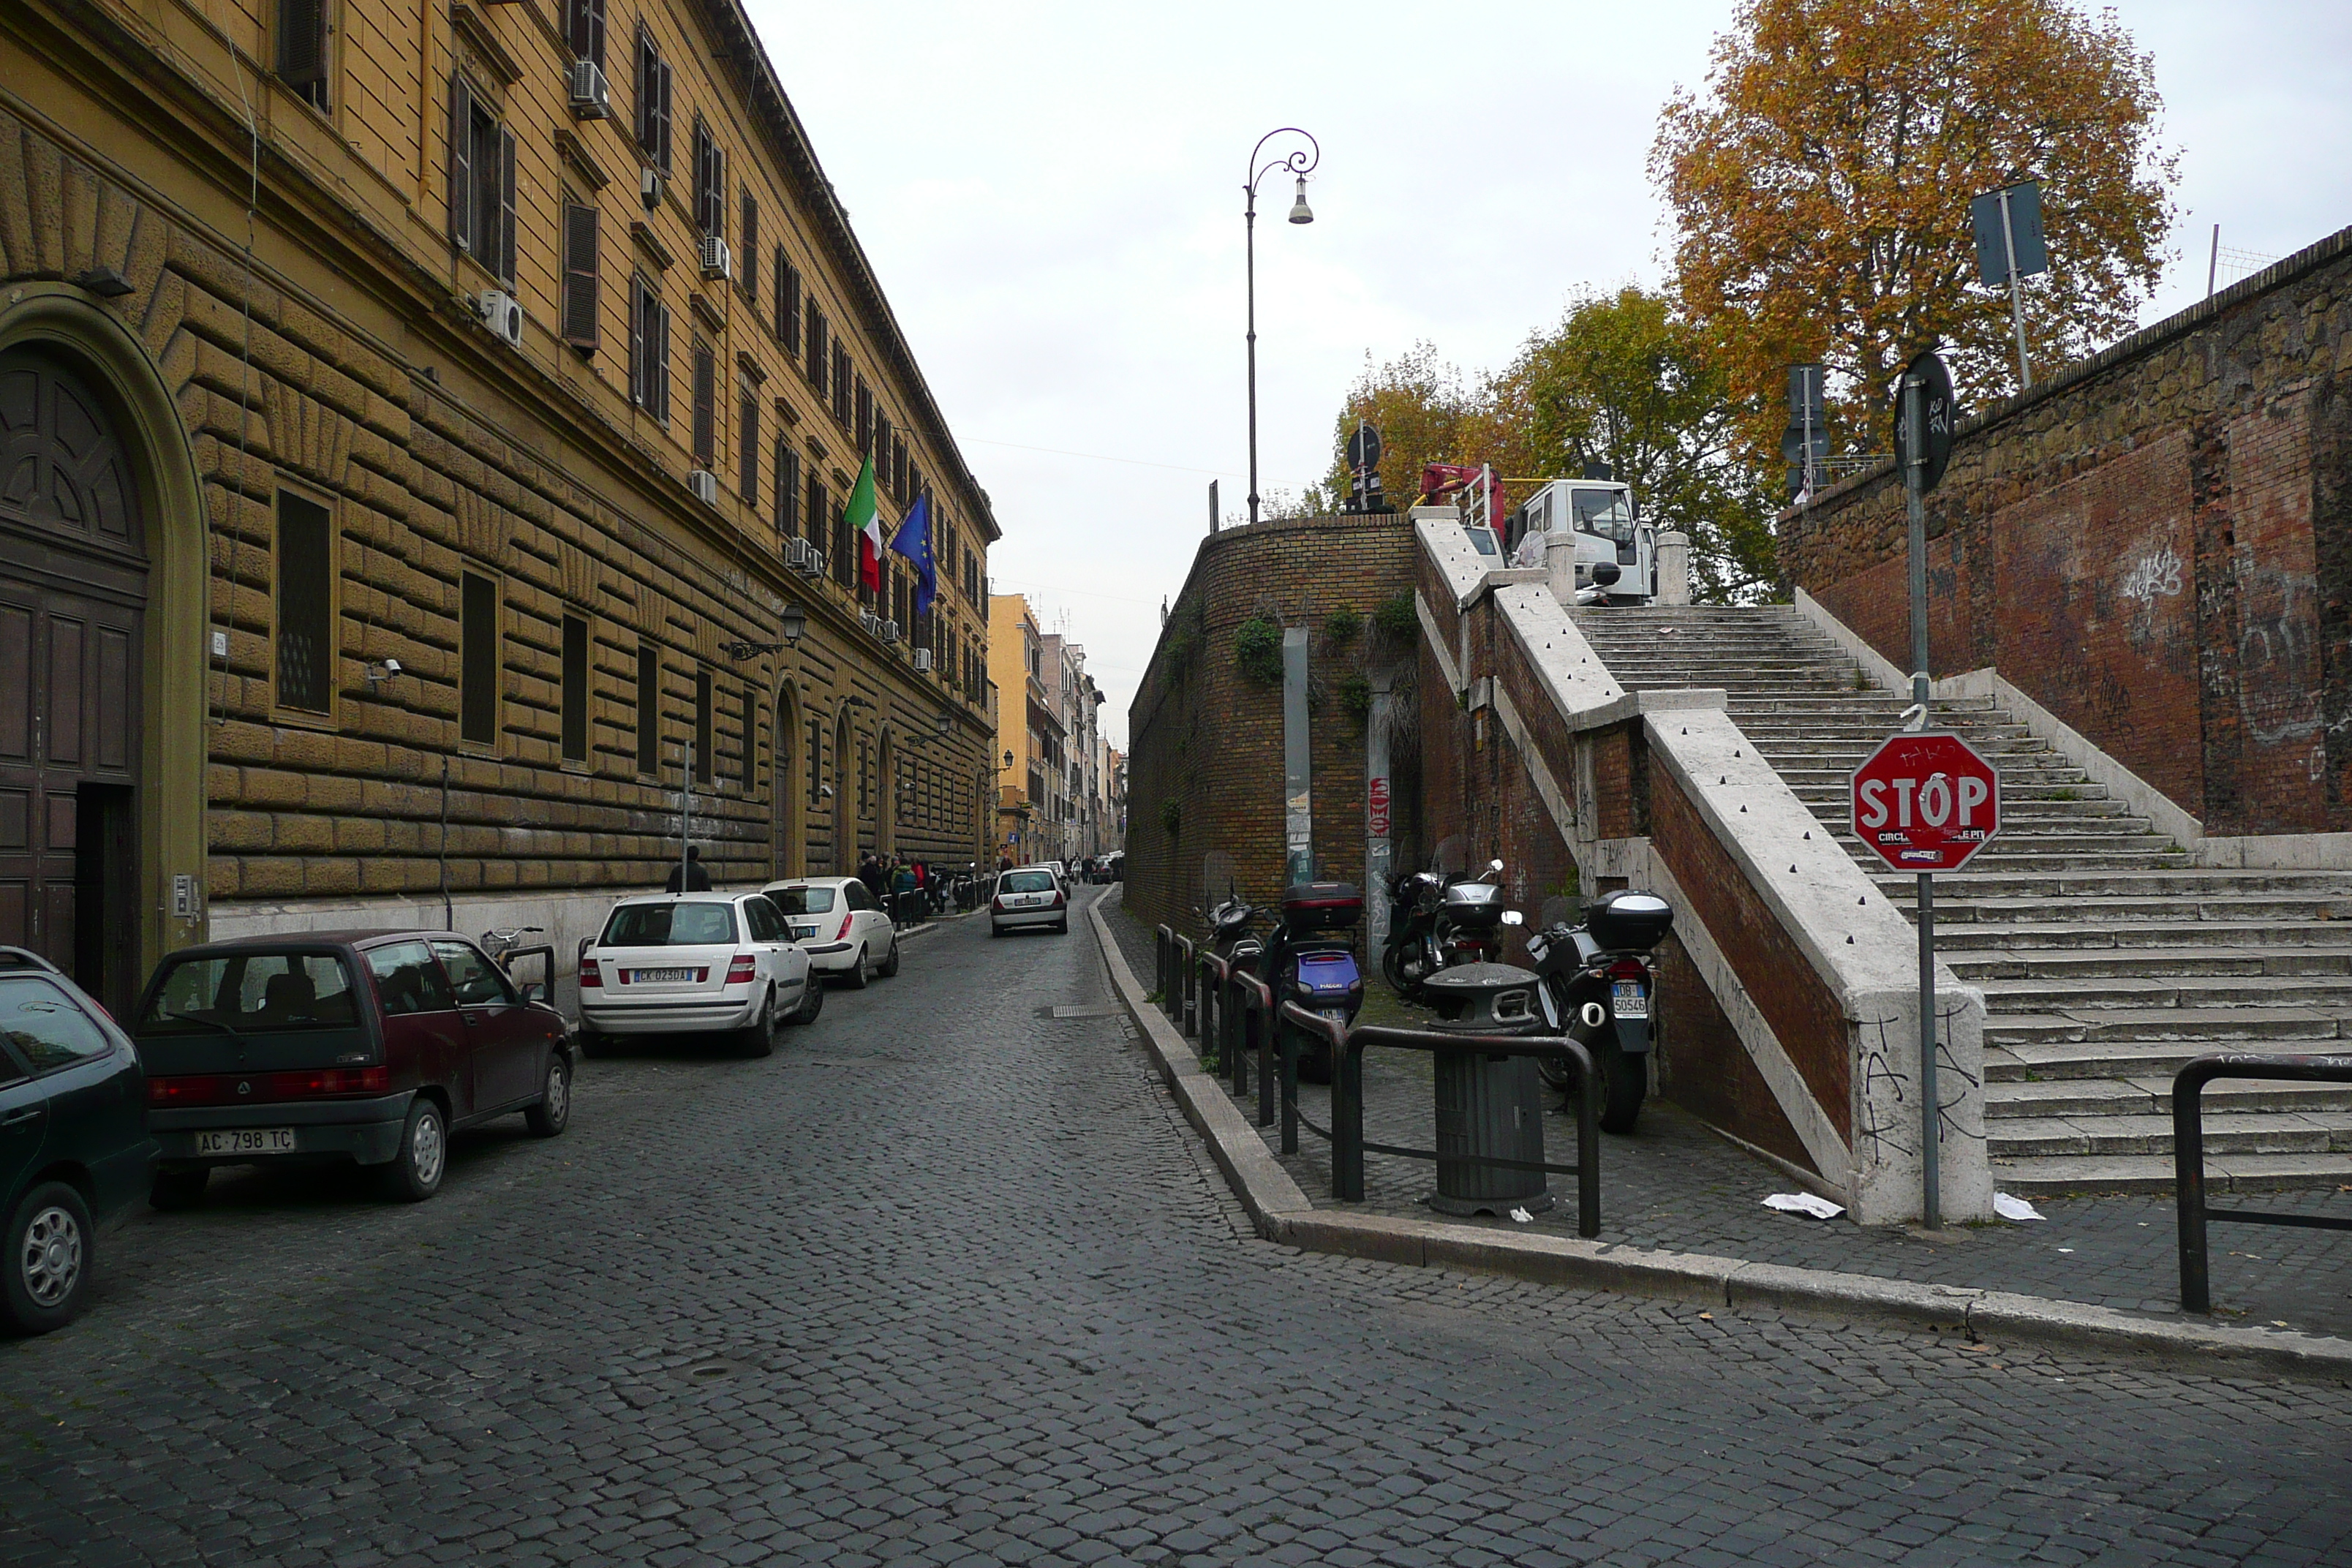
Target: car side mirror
[[534, 994]]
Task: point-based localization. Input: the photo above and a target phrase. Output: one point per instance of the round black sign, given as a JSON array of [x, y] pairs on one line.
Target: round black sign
[[1364, 448], [1942, 414]]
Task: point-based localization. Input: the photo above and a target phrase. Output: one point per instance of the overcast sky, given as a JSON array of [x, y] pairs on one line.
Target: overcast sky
[[1050, 196]]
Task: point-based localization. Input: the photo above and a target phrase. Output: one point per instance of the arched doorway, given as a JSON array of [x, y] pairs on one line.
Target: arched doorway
[[844, 819], [886, 796], [73, 598], [787, 829]]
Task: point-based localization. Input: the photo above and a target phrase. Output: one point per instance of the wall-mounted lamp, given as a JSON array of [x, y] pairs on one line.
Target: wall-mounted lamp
[[791, 620]]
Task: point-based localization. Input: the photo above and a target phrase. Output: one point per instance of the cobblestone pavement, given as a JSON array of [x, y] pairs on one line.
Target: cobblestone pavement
[[1673, 1185], [947, 1281]]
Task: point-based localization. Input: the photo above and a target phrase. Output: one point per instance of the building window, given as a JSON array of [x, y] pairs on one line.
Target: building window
[[477, 661], [747, 445], [820, 502], [648, 710], [306, 603], [710, 182], [648, 349], [788, 304], [747, 266], [583, 29], [702, 726], [481, 181], [884, 475], [575, 690], [580, 286], [302, 49], [865, 418], [841, 385], [817, 352], [788, 488], [706, 405], [653, 101]]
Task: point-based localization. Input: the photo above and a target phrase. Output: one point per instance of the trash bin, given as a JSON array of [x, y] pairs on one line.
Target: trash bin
[[1488, 1105]]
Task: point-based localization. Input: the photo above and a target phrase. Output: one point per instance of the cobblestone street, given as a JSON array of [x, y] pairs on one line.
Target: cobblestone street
[[947, 1279]]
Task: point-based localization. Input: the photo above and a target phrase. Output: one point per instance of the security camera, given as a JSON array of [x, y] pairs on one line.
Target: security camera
[[391, 666]]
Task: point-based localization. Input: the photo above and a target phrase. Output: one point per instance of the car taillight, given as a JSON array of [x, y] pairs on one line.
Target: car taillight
[[231, 1088], [1057, 899], [843, 934], [745, 969], [1628, 969], [996, 906], [590, 977]]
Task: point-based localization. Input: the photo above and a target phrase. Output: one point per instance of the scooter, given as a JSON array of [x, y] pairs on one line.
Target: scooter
[[1310, 959], [1597, 984], [1436, 921]]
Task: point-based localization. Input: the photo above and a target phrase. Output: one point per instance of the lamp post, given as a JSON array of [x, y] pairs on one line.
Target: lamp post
[[1299, 164]]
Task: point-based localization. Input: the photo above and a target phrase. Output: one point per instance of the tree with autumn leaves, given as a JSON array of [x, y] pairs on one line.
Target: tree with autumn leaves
[[1820, 196]]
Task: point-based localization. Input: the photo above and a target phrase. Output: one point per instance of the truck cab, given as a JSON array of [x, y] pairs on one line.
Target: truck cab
[[1614, 552]]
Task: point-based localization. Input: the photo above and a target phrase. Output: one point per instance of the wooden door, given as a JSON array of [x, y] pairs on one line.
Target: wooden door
[[72, 591]]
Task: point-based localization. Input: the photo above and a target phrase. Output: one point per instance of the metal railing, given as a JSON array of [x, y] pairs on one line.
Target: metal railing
[[1346, 1136], [2188, 1156]]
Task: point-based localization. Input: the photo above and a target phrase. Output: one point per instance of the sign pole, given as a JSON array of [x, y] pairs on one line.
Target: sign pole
[[1915, 465], [2016, 307]]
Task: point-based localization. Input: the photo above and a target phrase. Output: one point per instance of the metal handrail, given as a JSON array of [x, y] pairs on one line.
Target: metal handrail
[[1163, 943], [1213, 969], [1185, 979], [2188, 1156], [1347, 1134]]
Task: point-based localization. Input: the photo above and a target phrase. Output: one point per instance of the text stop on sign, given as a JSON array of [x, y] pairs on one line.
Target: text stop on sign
[[1926, 801]]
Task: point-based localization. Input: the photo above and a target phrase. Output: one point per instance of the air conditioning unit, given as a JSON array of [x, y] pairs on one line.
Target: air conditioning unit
[[804, 558], [718, 261], [923, 660], [705, 486], [592, 96], [502, 313], [888, 631], [649, 180]]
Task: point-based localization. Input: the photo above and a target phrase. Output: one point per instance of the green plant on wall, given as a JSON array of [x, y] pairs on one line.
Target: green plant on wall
[[1257, 650], [1342, 625], [1395, 618], [1356, 699], [1172, 818]]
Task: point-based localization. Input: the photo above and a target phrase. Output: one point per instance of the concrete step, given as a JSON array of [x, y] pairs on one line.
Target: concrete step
[[2226, 1133], [2139, 1039], [2183, 882], [2045, 992], [2151, 1095], [2097, 910], [2145, 963], [2156, 936], [2049, 1176]]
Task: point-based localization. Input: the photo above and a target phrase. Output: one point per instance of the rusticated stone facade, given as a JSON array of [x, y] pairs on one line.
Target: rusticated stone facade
[[1205, 768], [271, 292], [2156, 545]]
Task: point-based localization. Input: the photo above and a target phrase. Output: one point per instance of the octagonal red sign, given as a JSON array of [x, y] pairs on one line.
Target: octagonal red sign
[[1926, 801]]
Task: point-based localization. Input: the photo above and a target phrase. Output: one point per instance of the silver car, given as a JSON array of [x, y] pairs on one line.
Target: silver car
[[1028, 896], [671, 963]]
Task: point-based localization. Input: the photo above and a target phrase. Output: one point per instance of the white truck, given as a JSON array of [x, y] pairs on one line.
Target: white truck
[[1590, 533]]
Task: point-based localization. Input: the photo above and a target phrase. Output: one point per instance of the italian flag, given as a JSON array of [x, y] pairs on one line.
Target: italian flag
[[866, 522]]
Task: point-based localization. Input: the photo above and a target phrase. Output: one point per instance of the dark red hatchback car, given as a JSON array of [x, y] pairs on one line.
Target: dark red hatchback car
[[369, 1046]]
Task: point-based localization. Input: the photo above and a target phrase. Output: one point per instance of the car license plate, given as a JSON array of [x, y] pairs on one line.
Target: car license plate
[[1627, 1000], [801, 933], [656, 976], [247, 1141]]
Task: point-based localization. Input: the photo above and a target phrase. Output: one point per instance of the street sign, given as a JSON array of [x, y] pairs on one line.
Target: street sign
[[1363, 447], [1926, 801], [1943, 412], [1998, 232]]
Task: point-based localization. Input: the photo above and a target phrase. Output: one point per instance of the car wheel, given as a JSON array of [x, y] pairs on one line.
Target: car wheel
[[857, 971], [1062, 927], [172, 1191], [812, 1001], [414, 1174], [995, 929], [593, 1044], [552, 1114], [52, 1248], [890, 961], [760, 1039]]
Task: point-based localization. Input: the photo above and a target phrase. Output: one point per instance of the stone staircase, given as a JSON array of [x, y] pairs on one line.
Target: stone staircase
[[2107, 958]]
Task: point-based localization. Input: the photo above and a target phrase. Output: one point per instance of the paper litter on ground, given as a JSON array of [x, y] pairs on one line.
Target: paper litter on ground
[[1804, 1204], [2014, 1208], [1523, 1217]]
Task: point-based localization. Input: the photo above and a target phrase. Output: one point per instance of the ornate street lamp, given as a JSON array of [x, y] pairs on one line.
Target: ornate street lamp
[[1299, 164]]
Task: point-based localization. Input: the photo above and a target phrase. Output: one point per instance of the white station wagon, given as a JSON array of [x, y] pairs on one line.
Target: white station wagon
[[671, 963]]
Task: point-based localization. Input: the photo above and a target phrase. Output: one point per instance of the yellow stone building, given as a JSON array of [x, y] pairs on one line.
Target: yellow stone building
[[424, 424], [1030, 736]]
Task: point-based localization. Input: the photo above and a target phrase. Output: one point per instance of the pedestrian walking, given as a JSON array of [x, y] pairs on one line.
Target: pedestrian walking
[[690, 877]]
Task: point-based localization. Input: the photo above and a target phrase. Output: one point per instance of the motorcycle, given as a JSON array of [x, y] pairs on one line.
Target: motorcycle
[[1437, 921], [1306, 958], [1597, 983]]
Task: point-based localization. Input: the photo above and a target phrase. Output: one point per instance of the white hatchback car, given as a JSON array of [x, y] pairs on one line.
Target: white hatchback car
[[1028, 896], [669, 963], [838, 923]]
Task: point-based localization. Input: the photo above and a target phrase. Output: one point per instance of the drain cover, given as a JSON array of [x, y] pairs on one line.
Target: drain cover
[[1085, 1012]]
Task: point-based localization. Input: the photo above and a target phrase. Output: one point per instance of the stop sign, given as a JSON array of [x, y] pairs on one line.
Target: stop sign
[[1926, 801]]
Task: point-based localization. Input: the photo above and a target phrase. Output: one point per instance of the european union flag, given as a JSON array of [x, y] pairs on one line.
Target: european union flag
[[913, 541]]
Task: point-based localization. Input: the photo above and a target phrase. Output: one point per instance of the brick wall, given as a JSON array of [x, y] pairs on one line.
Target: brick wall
[[1208, 739], [2156, 545]]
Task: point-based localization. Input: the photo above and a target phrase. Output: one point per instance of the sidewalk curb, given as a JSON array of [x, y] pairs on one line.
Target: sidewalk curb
[[1281, 1212]]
